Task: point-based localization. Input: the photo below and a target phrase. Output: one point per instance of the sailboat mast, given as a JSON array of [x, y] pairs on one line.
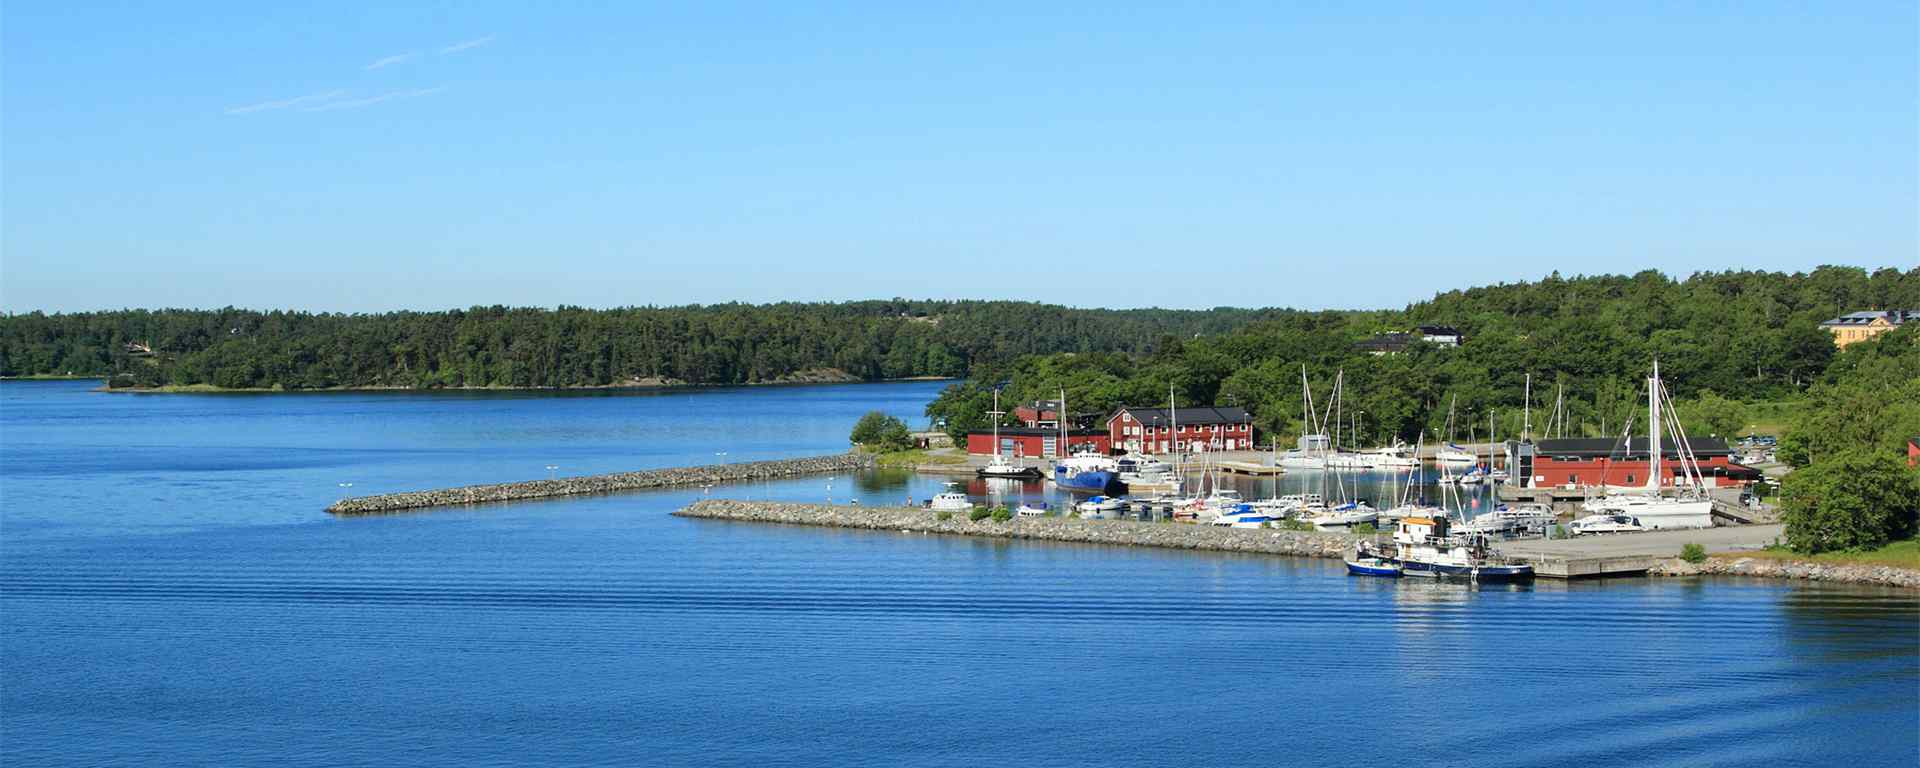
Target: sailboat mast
[[1061, 418], [1526, 411], [1653, 428]]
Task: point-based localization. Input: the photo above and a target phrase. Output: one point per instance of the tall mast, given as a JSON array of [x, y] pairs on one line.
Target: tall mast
[[1653, 428], [1526, 415], [1173, 413], [1060, 417], [996, 413]]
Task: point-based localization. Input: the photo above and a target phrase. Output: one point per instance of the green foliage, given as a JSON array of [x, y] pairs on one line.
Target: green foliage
[[1869, 398], [978, 514], [943, 515], [1296, 525], [878, 431], [1716, 334], [1853, 500], [574, 347], [1711, 414], [1001, 514], [1367, 528], [1693, 553]]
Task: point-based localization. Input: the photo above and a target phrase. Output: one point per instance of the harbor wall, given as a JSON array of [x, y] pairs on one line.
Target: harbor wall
[[1806, 570], [599, 484], [1117, 532]]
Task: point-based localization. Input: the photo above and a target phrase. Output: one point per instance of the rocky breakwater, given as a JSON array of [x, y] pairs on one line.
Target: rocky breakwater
[[598, 484], [1121, 532], [1728, 565]]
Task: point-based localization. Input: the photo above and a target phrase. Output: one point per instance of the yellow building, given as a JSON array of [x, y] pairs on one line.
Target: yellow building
[[1860, 326]]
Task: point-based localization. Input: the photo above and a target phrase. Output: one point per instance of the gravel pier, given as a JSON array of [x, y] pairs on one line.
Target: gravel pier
[[597, 484], [1119, 532]]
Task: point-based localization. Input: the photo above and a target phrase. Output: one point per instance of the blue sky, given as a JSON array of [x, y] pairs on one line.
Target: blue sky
[[605, 154]]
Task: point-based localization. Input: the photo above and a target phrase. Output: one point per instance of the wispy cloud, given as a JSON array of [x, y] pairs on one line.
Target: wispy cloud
[[371, 100], [304, 102], [466, 45], [391, 60]]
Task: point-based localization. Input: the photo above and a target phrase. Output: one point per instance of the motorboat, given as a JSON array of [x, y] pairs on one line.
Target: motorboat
[[1451, 455], [1147, 472], [1034, 509], [1242, 516], [1311, 452], [951, 501], [1365, 562], [1346, 515], [1606, 523], [1396, 456], [1002, 467], [1425, 546], [1508, 521], [1089, 473], [1101, 504], [1349, 461]]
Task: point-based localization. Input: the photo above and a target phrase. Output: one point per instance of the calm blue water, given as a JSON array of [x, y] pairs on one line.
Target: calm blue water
[[170, 593]]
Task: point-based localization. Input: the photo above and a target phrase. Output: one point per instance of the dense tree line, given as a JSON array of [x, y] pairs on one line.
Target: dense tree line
[[1722, 338], [1852, 489], [567, 347]]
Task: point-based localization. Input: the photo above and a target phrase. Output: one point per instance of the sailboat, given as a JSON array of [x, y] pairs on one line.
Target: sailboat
[[1000, 466], [1450, 454], [1689, 507], [1315, 444]]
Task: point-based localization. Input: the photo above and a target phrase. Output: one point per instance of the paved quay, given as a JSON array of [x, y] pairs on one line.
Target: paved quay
[[643, 480], [1631, 553]]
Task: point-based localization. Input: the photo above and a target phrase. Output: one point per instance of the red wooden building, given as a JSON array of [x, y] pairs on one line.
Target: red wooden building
[[1913, 451], [1606, 461], [1152, 430], [1028, 442]]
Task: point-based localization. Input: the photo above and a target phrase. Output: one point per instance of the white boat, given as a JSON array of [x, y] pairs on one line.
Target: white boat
[[1424, 546], [1002, 467], [1411, 510], [1349, 461], [1455, 456], [1311, 453], [1396, 456], [1101, 504], [1688, 507], [1506, 521], [1242, 516], [951, 501], [1605, 523], [1147, 472], [1034, 509], [1346, 515]]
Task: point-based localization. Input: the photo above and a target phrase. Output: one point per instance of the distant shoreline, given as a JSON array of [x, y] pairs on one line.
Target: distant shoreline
[[636, 385]]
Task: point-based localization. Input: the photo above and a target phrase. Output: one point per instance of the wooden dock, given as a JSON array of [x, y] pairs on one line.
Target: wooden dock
[[1249, 468]]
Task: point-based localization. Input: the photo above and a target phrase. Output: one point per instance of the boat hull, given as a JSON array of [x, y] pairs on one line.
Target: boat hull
[[1490, 573], [1098, 481], [1373, 568], [1023, 473]]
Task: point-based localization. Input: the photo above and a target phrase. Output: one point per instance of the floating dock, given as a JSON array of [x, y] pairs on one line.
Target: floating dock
[[1630, 554], [1249, 468]]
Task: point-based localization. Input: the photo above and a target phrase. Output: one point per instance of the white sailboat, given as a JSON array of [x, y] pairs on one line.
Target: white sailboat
[[1689, 506], [1315, 445]]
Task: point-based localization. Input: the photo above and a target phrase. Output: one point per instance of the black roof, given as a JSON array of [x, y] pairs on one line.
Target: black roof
[[1041, 432], [1197, 416], [1391, 342], [1438, 330], [1893, 316], [1602, 447]]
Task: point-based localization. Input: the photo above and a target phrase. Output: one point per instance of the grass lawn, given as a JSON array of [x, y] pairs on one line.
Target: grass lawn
[[916, 457], [1771, 417], [1900, 554]]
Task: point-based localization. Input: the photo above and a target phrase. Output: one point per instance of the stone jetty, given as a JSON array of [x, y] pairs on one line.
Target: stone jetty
[[1119, 532], [598, 484]]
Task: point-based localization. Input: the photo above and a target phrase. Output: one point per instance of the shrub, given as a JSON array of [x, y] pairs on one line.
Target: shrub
[[1855, 499], [978, 514], [1693, 553], [943, 515], [1001, 514], [1366, 528], [1297, 525], [879, 431]]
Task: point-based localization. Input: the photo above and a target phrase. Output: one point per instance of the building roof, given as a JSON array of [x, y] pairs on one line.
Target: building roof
[[1198, 416], [1385, 342], [1893, 317], [1040, 432], [1438, 330], [1635, 450]]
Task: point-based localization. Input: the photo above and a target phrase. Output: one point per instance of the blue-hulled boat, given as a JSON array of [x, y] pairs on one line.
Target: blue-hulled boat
[[1422, 547], [1363, 564], [1089, 474]]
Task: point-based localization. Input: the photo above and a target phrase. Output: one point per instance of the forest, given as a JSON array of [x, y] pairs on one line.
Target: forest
[[1735, 347], [574, 347]]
